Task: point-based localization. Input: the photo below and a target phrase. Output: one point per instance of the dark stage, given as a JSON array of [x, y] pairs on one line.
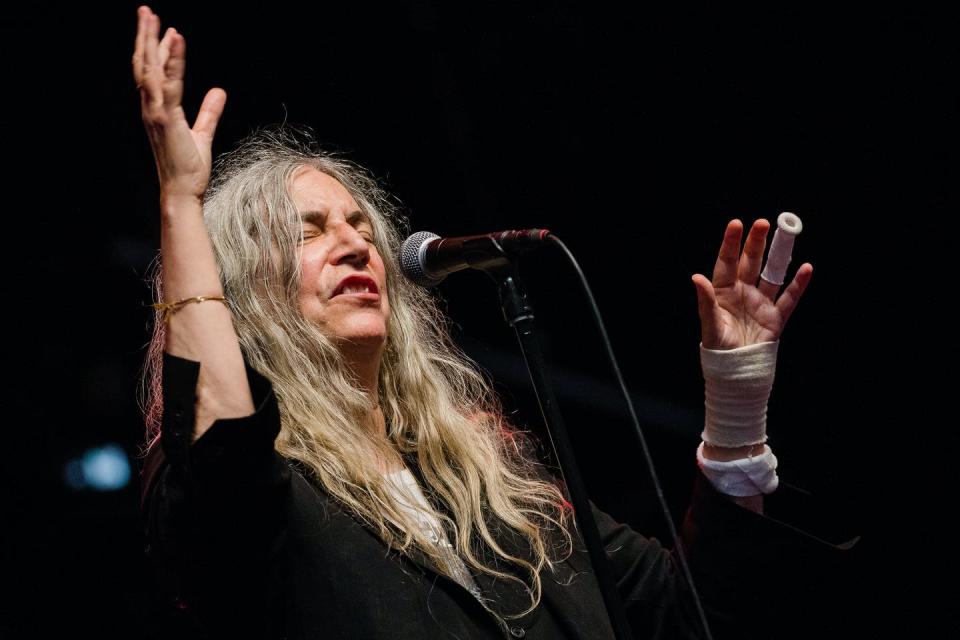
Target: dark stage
[[635, 135]]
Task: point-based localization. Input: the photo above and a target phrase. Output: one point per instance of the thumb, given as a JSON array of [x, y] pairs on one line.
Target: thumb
[[210, 112], [707, 309]]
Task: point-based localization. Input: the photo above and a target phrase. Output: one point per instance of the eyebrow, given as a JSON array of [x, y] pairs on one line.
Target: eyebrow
[[320, 217]]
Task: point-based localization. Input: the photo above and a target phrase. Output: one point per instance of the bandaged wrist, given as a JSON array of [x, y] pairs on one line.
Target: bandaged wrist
[[737, 388], [743, 477]]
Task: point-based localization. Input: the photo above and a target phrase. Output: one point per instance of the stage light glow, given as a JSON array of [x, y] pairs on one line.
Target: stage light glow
[[104, 468]]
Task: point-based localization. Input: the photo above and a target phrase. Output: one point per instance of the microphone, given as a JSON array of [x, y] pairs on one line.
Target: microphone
[[426, 258]]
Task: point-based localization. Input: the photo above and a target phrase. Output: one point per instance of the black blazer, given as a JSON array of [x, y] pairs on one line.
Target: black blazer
[[246, 545]]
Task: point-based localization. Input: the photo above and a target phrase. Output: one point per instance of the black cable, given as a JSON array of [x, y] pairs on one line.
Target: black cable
[[643, 442]]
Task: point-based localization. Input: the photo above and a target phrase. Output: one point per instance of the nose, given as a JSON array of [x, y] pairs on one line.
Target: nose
[[350, 247]]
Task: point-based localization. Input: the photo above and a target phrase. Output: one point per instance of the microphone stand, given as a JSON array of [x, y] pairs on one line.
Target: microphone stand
[[519, 314]]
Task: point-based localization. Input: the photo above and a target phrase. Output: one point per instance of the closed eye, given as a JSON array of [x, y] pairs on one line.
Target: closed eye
[[308, 234]]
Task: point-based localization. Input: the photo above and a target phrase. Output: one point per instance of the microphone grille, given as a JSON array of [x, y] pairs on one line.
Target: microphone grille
[[411, 259]]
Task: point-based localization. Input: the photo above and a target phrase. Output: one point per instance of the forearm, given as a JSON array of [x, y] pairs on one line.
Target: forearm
[[738, 383], [201, 332]]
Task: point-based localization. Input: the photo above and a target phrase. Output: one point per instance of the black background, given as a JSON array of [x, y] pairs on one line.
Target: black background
[[633, 134]]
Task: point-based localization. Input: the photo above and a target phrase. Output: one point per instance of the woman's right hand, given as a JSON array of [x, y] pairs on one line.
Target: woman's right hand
[[182, 154]]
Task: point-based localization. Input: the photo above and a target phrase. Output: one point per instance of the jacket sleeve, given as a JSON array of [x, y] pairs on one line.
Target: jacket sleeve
[[212, 508], [753, 572]]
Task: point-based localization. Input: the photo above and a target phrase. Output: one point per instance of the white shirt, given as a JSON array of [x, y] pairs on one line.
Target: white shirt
[[405, 487]]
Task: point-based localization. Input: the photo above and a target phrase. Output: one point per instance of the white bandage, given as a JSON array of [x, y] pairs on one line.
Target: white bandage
[[743, 477], [737, 388], [781, 249]]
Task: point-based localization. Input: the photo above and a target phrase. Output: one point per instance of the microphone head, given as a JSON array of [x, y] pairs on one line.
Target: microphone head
[[412, 259]]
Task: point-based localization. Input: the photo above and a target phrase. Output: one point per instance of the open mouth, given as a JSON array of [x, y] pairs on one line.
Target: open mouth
[[356, 285]]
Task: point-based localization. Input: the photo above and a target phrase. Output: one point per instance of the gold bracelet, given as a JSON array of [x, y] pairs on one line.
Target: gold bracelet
[[170, 308]]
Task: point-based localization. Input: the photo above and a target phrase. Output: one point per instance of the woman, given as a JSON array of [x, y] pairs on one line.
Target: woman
[[322, 460]]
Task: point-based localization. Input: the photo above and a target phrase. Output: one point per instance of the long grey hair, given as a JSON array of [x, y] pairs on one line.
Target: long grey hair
[[437, 404]]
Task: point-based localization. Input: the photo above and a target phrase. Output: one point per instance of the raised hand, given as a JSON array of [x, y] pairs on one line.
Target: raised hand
[[182, 153], [737, 308]]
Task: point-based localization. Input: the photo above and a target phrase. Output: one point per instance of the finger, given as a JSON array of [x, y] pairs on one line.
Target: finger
[[152, 80], [174, 67], [139, 45], [752, 258], [210, 112], [176, 60], [725, 271], [791, 296], [709, 311], [164, 48], [769, 289], [152, 31]]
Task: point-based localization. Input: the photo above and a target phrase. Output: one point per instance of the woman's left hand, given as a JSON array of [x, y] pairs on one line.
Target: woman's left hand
[[735, 309]]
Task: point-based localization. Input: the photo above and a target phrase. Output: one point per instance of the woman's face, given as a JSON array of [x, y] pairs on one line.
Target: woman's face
[[344, 286]]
